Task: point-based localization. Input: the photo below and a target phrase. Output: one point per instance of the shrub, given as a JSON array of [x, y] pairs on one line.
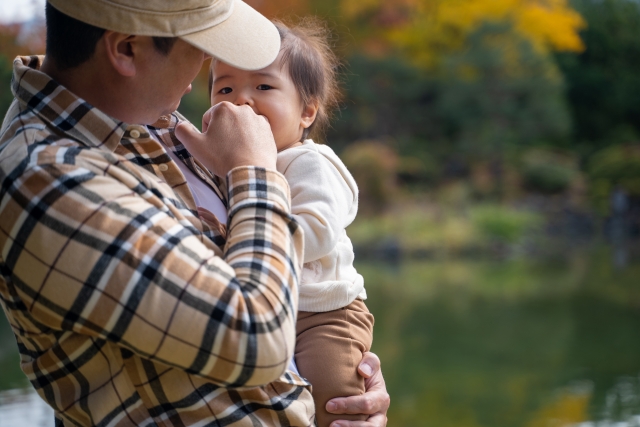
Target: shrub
[[373, 165], [548, 172], [502, 223], [614, 167]]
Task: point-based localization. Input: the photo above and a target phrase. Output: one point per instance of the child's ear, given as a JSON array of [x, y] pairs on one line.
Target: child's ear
[[309, 113]]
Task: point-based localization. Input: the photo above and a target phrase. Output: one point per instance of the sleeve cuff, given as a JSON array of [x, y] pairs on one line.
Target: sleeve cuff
[[251, 184]]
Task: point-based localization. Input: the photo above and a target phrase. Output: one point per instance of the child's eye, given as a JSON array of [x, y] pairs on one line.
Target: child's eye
[[225, 90], [264, 87]]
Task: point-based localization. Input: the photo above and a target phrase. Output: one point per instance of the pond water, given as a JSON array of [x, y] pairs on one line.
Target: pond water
[[477, 343]]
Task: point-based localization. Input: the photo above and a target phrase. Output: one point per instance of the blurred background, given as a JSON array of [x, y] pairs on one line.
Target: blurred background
[[496, 144]]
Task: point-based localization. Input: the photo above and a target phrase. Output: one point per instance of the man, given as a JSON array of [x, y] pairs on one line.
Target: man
[[128, 308]]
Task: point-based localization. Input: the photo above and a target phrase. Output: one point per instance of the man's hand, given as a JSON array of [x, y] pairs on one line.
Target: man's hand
[[232, 136], [374, 402]]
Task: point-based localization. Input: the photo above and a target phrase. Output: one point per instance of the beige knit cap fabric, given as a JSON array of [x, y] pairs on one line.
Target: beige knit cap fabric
[[229, 30]]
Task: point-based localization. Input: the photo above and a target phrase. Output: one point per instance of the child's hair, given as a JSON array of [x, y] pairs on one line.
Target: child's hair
[[312, 66]]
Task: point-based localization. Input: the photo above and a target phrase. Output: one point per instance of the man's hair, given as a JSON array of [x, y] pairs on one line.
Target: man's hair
[[71, 42], [312, 66]]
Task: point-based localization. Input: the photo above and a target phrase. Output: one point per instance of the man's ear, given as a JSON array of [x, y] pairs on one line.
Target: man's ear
[[120, 51], [309, 113]]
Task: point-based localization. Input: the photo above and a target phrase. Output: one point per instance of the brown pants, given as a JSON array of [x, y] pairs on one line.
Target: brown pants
[[328, 351]]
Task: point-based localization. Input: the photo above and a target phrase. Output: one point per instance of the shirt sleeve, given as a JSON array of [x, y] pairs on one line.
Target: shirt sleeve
[[99, 253], [322, 202]]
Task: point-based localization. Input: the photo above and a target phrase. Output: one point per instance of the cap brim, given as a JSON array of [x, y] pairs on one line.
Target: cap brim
[[246, 40]]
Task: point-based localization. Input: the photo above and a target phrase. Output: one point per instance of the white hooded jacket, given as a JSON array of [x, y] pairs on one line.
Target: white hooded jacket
[[324, 199]]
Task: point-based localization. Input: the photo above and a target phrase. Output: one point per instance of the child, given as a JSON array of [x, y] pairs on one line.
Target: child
[[295, 94]]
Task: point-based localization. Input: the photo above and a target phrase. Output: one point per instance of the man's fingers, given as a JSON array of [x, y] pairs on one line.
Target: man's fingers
[[377, 420], [375, 402], [233, 136], [368, 404], [206, 120], [192, 139], [369, 365], [186, 132]]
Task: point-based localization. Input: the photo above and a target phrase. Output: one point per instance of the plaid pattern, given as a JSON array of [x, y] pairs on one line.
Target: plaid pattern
[[128, 310]]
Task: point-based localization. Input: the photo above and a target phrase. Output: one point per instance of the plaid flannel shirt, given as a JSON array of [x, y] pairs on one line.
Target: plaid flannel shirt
[[129, 310]]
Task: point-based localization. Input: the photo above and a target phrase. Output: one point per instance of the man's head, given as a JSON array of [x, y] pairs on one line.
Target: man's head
[[71, 42], [135, 59]]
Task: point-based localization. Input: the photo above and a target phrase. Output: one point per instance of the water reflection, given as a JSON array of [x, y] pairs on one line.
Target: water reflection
[[518, 343], [24, 408]]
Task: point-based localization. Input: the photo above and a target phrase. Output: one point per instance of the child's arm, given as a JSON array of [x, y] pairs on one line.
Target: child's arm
[[324, 199]]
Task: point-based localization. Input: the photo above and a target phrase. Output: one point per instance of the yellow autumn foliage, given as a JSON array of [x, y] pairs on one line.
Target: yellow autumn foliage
[[426, 29]]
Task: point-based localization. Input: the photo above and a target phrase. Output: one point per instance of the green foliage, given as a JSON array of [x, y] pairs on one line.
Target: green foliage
[[548, 171], [194, 104], [6, 97], [384, 96], [491, 97], [603, 82], [417, 229], [445, 230], [477, 105], [614, 167], [501, 223]]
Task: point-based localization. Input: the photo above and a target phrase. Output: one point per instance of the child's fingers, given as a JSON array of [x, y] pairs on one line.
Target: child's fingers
[[206, 214]]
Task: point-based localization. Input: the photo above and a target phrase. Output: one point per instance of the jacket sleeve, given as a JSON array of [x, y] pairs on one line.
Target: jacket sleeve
[[322, 202], [97, 253]]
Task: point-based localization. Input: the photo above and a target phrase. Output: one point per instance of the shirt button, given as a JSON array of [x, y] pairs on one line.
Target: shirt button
[[135, 133], [163, 167]]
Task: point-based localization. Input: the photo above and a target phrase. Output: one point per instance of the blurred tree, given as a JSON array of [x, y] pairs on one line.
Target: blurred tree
[[373, 166], [500, 91], [16, 39], [497, 95], [616, 167], [280, 8], [425, 30], [22, 39], [6, 97], [603, 83]]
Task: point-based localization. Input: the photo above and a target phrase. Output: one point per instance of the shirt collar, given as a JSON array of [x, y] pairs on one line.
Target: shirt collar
[[61, 109]]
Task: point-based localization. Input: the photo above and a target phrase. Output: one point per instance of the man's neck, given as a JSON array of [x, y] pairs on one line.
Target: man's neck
[[87, 82], [70, 78]]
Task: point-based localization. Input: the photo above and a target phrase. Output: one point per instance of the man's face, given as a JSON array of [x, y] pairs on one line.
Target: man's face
[[163, 79]]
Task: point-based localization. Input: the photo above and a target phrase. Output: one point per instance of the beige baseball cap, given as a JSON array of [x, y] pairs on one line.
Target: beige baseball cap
[[229, 30]]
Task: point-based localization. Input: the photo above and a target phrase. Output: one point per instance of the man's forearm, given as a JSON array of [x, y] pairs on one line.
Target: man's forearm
[[264, 247], [132, 272]]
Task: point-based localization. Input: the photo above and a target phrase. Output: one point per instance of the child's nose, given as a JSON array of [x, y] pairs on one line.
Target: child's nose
[[243, 99]]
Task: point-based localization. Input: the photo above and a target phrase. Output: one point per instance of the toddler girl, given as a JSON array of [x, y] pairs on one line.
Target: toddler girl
[[295, 93]]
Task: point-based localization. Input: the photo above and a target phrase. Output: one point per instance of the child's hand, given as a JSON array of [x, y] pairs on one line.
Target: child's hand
[[232, 136], [212, 221]]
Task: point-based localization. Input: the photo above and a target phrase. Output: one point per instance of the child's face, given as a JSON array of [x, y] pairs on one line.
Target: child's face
[[270, 92]]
